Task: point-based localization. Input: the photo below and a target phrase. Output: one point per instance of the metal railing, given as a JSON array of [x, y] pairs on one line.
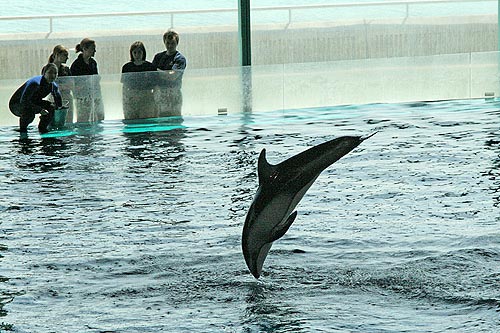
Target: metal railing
[[290, 9]]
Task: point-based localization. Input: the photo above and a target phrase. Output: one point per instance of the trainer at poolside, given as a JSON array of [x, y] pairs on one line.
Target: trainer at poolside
[[30, 99], [89, 105], [171, 65]]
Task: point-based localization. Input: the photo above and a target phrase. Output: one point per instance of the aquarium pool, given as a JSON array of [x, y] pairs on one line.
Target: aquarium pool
[[137, 227]]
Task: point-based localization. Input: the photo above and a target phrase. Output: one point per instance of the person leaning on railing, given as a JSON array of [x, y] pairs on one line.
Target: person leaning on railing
[[171, 65], [87, 91]]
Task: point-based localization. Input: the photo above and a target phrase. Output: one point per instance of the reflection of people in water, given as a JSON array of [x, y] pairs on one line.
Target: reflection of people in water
[[87, 89], [171, 65], [144, 146], [138, 83], [59, 57], [29, 99]]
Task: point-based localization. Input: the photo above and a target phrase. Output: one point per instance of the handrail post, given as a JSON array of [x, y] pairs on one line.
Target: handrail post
[[407, 12], [51, 25], [245, 53], [171, 20]]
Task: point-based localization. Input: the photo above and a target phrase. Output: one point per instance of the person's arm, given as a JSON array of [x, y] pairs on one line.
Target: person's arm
[[177, 68], [179, 63], [163, 74], [57, 95]]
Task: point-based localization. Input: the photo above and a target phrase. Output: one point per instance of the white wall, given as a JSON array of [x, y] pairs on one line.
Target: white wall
[[22, 56]]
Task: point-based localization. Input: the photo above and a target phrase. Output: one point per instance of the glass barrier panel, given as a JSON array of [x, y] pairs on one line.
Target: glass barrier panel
[[220, 91], [485, 75], [376, 81]]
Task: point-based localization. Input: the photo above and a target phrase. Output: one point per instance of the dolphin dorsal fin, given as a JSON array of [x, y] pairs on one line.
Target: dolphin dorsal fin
[[264, 169]]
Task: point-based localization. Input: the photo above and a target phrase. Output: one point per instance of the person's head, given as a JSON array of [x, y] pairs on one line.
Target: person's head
[[171, 40], [87, 47], [49, 71], [59, 55], [137, 51]]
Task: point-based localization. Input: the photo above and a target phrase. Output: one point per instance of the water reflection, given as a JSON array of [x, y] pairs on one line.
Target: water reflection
[[146, 138], [89, 142], [243, 159], [266, 314], [155, 167], [43, 155]]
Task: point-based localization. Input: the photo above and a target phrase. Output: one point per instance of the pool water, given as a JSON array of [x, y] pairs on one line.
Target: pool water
[[136, 227]]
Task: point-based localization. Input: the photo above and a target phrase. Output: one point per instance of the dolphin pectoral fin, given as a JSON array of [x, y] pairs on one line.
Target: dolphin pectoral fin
[[282, 228]]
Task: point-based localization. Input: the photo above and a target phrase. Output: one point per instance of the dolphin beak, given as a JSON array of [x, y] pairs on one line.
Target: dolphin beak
[[255, 267], [255, 260], [256, 272], [252, 263]]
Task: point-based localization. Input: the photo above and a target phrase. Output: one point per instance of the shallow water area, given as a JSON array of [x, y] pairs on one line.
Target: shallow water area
[[136, 227]]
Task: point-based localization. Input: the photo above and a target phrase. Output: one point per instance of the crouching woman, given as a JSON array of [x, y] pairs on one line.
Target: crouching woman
[[32, 98]]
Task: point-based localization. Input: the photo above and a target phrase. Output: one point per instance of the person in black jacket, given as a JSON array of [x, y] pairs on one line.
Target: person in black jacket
[[30, 99], [87, 88], [138, 78], [85, 64]]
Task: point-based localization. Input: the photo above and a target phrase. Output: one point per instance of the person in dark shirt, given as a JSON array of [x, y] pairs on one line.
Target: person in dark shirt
[[30, 99], [59, 57], [87, 88], [171, 65], [85, 64], [138, 78]]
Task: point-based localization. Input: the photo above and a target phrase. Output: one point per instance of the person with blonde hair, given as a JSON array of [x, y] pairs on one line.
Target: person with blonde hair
[[87, 91], [59, 57], [171, 65]]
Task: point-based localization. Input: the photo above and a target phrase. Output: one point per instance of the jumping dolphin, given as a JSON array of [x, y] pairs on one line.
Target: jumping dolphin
[[281, 187]]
